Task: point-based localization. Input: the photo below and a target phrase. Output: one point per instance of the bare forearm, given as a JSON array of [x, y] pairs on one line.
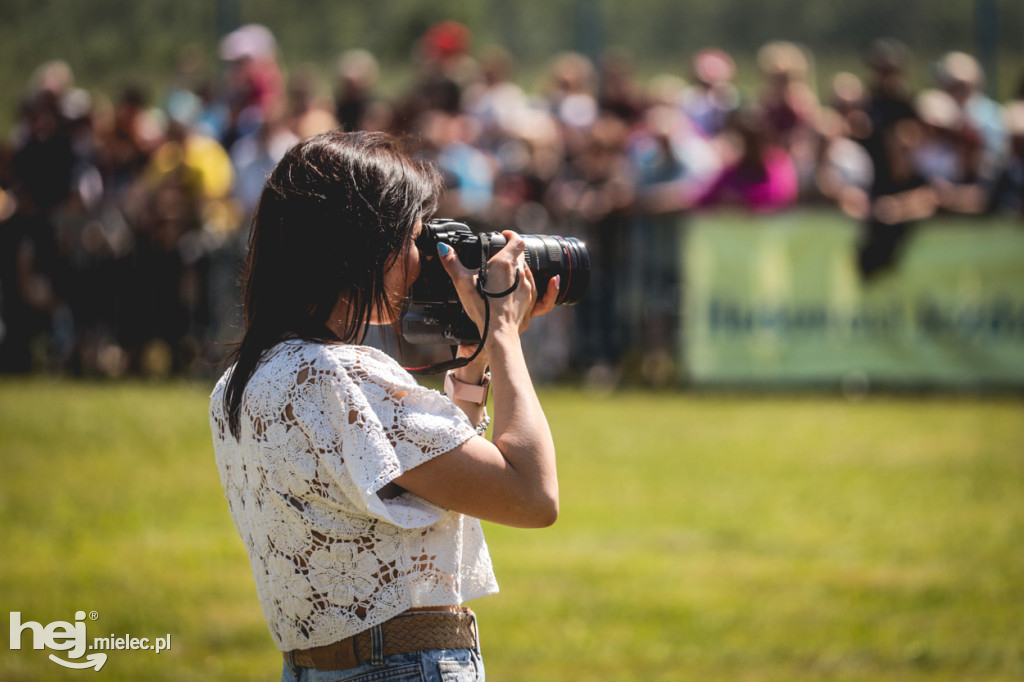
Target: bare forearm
[[521, 430]]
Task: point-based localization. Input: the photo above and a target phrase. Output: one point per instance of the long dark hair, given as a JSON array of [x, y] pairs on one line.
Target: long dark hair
[[336, 212]]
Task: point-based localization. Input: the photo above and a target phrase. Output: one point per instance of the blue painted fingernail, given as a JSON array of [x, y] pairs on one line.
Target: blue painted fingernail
[[443, 249]]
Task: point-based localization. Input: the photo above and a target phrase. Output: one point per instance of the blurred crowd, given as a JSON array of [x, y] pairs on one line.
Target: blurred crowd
[[123, 221]]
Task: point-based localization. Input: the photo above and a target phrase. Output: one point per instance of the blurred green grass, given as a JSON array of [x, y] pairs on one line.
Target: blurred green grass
[[702, 537]]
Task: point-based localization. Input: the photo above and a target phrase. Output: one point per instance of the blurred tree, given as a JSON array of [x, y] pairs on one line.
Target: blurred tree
[[107, 42]]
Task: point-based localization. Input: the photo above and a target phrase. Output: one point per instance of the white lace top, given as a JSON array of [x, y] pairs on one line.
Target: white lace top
[[324, 429]]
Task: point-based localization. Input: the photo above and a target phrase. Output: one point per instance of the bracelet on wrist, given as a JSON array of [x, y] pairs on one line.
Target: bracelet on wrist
[[481, 428]]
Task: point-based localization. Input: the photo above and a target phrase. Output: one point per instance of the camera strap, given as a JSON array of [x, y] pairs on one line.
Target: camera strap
[[481, 282]]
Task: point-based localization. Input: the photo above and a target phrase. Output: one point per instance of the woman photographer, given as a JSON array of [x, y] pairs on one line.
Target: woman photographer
[[357, 492]]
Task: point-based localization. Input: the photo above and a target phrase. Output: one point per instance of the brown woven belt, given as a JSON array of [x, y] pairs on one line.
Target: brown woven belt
[[403, 634]]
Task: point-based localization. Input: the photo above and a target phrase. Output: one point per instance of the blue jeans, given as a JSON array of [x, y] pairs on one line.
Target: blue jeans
[[447, 665]]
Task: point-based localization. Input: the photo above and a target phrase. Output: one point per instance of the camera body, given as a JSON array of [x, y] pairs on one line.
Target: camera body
[[434, 314]]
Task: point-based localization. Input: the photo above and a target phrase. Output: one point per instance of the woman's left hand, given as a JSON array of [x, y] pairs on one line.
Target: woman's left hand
[[543, 306]]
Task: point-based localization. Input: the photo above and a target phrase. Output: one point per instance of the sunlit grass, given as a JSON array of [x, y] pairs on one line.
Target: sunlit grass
[[702, 537]]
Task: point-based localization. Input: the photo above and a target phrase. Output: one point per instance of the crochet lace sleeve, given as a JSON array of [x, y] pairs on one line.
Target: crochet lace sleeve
[[369, 421]]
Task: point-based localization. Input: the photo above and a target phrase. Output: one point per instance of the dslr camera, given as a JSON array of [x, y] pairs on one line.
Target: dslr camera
[[435, 315]]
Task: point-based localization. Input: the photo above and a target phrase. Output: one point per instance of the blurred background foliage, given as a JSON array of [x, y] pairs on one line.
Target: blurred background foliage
[[110, 43]]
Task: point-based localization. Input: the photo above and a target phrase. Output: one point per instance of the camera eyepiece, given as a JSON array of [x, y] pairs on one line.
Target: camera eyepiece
[[434, 313]]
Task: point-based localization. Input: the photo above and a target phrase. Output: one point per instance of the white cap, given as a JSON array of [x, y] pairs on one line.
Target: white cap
[[251, 40]]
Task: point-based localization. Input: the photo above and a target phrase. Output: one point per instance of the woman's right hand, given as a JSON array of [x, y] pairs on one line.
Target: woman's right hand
[[508, 312]]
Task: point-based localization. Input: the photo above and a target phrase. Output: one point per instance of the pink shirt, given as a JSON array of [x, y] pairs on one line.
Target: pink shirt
[[774, 189]]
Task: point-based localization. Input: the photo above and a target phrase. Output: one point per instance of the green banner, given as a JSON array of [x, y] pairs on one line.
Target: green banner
[[779, 300]]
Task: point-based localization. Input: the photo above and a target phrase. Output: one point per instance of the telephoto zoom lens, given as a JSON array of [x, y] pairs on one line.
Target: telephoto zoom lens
[[547, 256]]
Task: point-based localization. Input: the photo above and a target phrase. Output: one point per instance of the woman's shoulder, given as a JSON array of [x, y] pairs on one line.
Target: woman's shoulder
[[300, 370], [307, 358], [338, 354]]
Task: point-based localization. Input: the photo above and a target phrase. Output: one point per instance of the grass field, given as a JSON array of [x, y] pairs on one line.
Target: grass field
[[702, 537]]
